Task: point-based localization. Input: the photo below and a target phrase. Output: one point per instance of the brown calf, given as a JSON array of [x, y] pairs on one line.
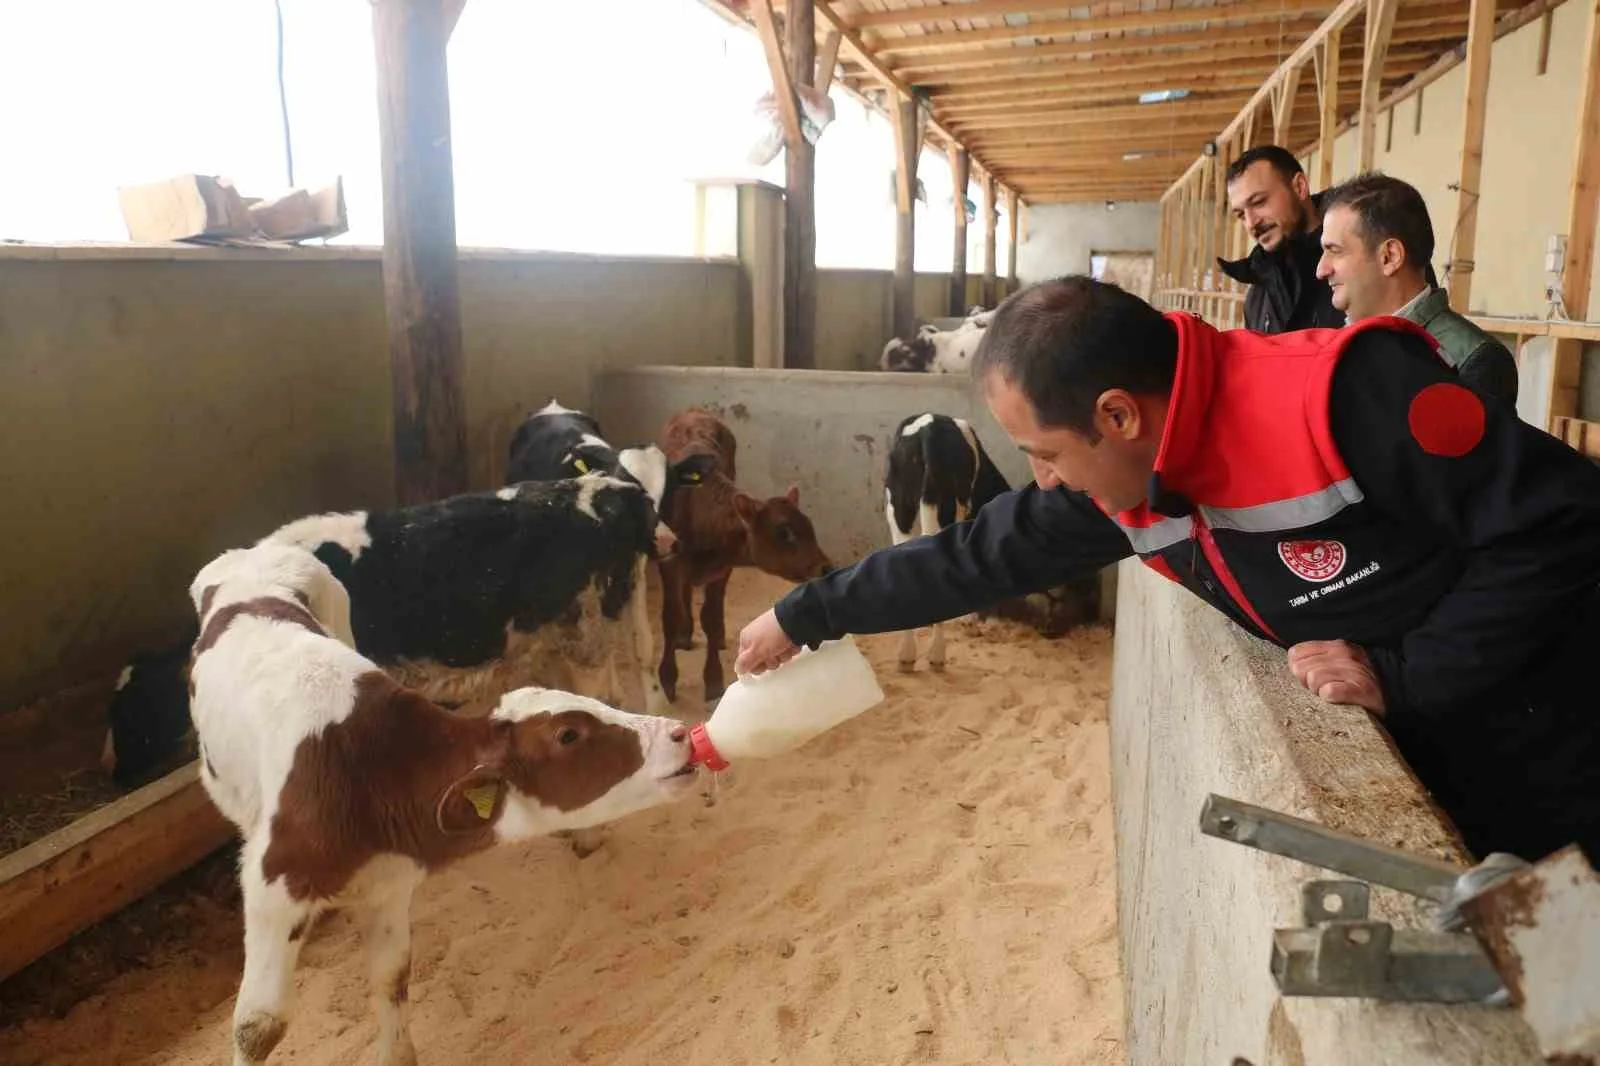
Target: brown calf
[[719, 527]]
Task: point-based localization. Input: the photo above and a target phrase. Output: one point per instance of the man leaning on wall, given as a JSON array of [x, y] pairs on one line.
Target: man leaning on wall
[[1270, 195], [1377, 242]]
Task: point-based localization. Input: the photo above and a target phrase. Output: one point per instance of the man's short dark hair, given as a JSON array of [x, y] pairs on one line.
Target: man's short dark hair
[[1386, 209], [1064, 342], [1282, 160]]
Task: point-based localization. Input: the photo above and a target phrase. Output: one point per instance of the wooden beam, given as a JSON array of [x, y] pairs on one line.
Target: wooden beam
[[907, 151], [1375, 53], [1480, 43], [988, 240], [1187, 61], [828, 61], [1242, 11], [1283, 101], [1328, 116], [421, 289], [782, 86], [1584, 203], [799, 199], [1543, 63], [960, 174], [65, 882], [1347, 10], [1007, 56], [1583, 206], [1160, 116], [1013, 206]]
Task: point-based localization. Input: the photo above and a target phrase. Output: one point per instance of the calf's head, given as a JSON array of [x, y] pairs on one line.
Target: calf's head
[[561, 761], [781, 539], [661, 479], [911, 356]]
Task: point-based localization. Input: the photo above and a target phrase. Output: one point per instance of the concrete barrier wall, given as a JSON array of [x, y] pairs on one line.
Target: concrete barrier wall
[[1198, 706], [827, 432]]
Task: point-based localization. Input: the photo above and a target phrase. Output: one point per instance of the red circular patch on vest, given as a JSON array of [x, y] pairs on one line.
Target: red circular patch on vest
[[1312, 560], [1446, 419]]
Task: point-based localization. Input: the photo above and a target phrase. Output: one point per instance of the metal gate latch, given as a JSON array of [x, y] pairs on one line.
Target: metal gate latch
[[1532, 939]]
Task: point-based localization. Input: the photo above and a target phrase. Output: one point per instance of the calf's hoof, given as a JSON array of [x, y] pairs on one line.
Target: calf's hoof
[[936, 667], [908, 666], [585, 842]]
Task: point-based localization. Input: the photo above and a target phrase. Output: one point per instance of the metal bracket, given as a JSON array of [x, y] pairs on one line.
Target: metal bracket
[[1341, 951]]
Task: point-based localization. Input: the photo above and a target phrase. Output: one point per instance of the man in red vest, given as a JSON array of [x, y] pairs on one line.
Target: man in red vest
[[1419, 550]]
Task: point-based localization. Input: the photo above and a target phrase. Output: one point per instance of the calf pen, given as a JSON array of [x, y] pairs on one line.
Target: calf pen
[[1196, 708]]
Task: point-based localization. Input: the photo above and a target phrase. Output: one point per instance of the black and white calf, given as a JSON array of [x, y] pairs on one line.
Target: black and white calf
[[937, 351], [938, 474], [557, 442], [540, 583]]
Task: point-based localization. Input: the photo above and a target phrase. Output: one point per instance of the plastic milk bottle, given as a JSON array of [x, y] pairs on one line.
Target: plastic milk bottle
[[768, 714]]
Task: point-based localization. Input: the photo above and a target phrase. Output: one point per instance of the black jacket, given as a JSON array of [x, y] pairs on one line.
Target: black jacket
[[1489, 568], [1285, 293]]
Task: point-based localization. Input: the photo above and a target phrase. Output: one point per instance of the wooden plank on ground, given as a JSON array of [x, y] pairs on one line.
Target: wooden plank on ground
[[65, 882]]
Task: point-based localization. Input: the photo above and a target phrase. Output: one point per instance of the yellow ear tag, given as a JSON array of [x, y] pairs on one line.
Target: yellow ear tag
[[583, 467], [483, 797], [691, 478]]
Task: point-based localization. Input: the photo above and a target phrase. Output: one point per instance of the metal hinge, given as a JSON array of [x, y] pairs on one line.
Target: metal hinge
[[1532, 939]]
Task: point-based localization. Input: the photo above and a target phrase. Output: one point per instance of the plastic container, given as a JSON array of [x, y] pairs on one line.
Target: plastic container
[[772, 713]]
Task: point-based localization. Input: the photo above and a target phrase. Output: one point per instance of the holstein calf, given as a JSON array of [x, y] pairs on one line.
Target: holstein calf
[[937, 351], [557, 442], [719, 527], [539, 583], [348, 788], [938, 473]]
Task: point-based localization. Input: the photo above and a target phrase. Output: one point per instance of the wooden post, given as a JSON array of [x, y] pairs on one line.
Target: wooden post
[[907, 150], [421, 290], [1582, 210], [1380, 26], [800, 169], [1283, 100], [988, 239], [1328, 92], [960, 173], [1013, 208], [1480, 42], [800, 211], [828, 61]]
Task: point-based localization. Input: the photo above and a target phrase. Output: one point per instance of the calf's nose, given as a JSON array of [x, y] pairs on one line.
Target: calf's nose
[[666, 542]]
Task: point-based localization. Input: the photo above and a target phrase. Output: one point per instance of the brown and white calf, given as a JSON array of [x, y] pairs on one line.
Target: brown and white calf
[[719, 527], [938, 474], [348, 788]]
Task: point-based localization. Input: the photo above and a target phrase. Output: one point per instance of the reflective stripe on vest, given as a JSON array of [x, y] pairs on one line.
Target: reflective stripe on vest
[[1298, 512]]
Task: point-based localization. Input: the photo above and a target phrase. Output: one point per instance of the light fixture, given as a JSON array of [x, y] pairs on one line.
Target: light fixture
[[1111, 205], [1128, 157], [1156, 96]]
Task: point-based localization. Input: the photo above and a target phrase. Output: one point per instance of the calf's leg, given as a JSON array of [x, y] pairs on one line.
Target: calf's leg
[[930, 526], [274, 926], [906, 655], [712, 622], [388, 939], [672, 582]]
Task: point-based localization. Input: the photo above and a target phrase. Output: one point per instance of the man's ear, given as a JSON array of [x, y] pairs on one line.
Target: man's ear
[[472, 802], [1300, 185], [1391, 257], [1117, 414]]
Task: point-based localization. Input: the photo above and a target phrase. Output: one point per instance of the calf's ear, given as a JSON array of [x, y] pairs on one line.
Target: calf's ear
[[793, 495], [746, 506], [472, 802]]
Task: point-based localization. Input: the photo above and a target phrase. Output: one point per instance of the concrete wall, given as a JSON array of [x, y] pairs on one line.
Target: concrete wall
[[826, 432], [1057, 238], [162, 404], [1197, 706], [1530, 134]]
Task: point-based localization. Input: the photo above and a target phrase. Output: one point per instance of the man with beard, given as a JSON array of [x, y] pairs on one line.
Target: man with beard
[[1271, 197]]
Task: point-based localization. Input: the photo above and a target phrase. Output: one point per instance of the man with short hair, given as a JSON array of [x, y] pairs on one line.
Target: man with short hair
[[1377, 245], [1420, 552], [1270, 195]]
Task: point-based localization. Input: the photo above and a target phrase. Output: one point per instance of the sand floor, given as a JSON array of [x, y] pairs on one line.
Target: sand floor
[[929, 883]]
